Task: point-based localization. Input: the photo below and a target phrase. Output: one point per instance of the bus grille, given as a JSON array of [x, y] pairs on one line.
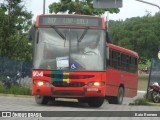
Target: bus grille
[[64, 84], [60, 76]]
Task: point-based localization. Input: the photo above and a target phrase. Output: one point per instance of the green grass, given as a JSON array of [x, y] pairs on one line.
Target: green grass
[[143, 82], [141, 101], [16, 90], [144, 101]]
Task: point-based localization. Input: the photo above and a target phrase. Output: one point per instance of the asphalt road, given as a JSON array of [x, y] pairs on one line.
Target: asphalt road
[[24, 103]]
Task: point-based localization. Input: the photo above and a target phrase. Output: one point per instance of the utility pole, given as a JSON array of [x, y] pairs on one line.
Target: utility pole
[[44, 4], [149, 3], [9, 11]]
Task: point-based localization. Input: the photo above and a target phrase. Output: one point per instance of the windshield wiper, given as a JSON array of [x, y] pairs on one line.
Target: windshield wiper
[[83, 34], [58, 32]]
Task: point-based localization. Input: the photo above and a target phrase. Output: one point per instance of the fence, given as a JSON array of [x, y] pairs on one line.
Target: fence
[[11, 68], [154, 75]]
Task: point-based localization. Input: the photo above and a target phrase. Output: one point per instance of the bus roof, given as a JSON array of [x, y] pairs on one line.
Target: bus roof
[[121, 49], [93, 20]]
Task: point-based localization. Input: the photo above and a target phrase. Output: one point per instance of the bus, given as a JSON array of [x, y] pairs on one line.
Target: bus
[[72, 59]]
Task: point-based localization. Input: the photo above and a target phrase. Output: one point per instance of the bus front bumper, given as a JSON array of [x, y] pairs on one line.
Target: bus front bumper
[[72, 92]]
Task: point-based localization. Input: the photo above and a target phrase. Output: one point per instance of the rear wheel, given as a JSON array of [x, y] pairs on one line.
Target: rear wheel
[[155, 97], [118, 99], [95, 101], [42, 99]]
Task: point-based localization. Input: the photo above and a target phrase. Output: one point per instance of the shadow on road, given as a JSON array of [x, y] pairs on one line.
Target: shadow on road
[[68, 104], [62, 103]]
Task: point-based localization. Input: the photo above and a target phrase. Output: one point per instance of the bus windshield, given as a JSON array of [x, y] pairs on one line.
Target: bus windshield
[[69, 49]]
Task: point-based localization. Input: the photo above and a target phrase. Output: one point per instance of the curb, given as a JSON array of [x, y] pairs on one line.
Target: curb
[[27, 96], [141, 91]]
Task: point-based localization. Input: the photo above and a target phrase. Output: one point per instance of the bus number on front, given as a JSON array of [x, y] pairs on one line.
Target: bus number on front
[[37, 74]]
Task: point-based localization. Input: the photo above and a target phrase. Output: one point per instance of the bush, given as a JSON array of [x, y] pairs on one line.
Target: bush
[[145, 101], [141, 101], [16, 90]]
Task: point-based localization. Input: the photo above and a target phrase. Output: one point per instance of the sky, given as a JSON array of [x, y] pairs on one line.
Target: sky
[[130, 8]]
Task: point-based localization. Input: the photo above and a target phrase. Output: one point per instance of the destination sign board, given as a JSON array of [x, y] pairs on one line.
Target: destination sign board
[[70, 20]]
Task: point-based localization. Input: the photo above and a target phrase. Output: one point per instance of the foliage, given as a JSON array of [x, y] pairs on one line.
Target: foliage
[[141, 101], [144, 101], [15, 23], [143, 82], [16, 90], [78, 7], [140, 34], [143, 65]]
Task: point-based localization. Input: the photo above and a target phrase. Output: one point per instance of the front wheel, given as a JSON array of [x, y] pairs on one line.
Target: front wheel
[[155, 97], [42, 99], [82, 100], [95, 101]]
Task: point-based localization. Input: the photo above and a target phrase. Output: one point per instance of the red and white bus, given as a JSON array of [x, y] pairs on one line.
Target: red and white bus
[[73, 60]]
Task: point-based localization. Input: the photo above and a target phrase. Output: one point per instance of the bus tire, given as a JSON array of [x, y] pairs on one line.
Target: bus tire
[[82, 100], [120, 95], [42, 99], [111, 99], [95, 101], [118, 99]]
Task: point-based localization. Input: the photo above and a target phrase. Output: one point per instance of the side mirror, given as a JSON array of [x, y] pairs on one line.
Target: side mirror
[[107, 51], [31, 33], [108, 37]]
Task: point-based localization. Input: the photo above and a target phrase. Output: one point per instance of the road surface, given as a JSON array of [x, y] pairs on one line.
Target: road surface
[[27, 103]]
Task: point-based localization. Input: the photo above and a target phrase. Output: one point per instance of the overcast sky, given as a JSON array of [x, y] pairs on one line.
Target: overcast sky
[[131, 8]]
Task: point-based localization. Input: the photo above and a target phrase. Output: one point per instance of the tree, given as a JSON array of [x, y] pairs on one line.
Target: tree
[[16, 23], [78, 7], [140, 34]]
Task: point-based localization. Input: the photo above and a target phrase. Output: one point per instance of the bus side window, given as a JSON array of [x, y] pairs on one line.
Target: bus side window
[[108, 37], [136, 64], [116, 59], [127, 63], [119, 60], [31, 34], [133, 64], [124, 62]]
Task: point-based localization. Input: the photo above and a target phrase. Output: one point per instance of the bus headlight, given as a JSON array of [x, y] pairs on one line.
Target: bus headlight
[[40, 83], [96, 83]]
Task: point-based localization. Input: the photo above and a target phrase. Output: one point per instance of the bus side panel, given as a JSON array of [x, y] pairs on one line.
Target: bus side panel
[[131, 84], [115, 78], [113, 81]]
